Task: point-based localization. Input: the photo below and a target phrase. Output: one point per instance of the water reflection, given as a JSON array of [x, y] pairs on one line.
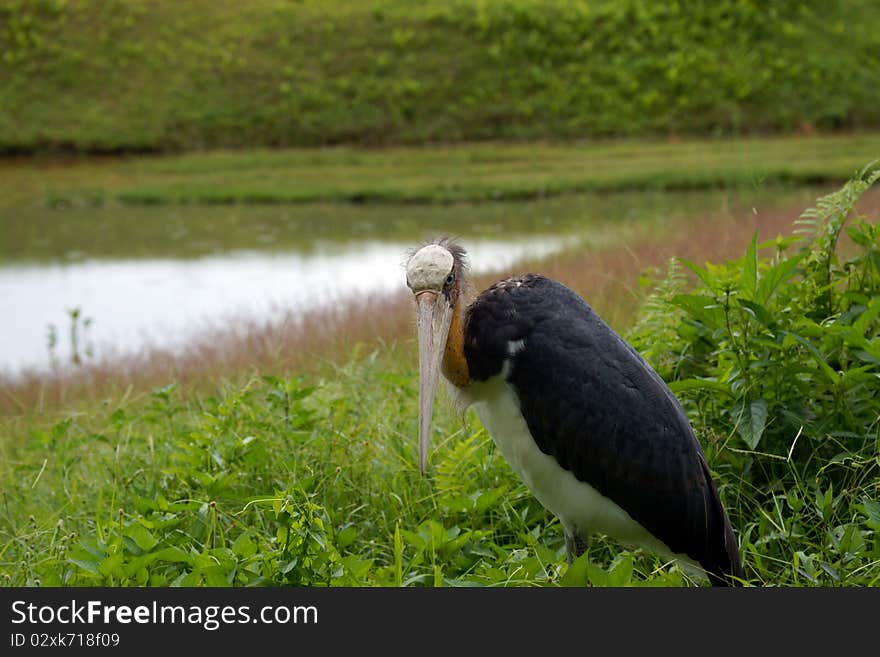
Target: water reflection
[[158, 275], [126, 304]]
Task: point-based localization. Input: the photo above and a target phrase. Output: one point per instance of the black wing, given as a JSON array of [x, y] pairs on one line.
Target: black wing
[[593, 403]]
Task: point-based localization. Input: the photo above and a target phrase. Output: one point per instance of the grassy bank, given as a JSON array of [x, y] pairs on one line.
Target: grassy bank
[[311, 478], [115, 76], [475, 172], [34, 233]]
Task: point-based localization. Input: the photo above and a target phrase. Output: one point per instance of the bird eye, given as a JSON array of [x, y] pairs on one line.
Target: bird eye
[[450, 279]]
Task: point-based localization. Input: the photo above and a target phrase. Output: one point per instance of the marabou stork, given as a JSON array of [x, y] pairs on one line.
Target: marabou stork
[[593, 431]]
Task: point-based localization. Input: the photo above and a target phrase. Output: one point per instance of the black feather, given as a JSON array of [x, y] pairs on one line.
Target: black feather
[[593, 403]]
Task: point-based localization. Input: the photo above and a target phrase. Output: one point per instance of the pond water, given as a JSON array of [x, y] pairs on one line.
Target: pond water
[[126, 304], [88, 282]]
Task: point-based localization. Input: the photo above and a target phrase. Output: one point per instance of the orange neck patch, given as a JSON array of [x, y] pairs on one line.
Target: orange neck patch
[[455, 366]]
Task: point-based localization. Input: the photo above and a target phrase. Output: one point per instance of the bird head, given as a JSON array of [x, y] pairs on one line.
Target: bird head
[[434, 274]]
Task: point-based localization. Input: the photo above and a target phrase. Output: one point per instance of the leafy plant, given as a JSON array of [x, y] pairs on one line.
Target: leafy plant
[[777, 360]]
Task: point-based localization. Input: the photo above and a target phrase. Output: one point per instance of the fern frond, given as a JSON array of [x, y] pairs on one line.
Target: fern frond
[[655, 331], [821, 226]]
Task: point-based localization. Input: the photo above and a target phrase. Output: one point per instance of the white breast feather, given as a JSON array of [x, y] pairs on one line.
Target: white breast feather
[[580, 507]]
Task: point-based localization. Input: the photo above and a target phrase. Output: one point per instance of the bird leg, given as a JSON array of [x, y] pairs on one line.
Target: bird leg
[[575, 546]]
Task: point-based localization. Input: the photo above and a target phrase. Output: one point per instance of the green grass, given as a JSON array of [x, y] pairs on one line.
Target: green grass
[[313, 479], [117, 76], [37, 233], [477, 172], [236, 474], [306, 481]]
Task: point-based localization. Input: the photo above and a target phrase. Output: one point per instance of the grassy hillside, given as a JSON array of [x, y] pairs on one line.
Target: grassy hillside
[[93, 75]]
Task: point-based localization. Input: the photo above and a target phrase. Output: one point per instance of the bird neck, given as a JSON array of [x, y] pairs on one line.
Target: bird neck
[[455, 367]]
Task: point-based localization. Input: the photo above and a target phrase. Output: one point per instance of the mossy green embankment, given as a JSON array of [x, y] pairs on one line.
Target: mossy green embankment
[[155, 76]]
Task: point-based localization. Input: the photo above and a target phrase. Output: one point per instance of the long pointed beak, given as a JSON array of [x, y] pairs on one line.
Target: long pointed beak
[[434, 317]]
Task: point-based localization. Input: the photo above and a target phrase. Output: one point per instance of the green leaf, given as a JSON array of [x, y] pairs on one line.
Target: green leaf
[[413, 539], [702, 308], [621, 572], [346, 536], [871, 509], [866, 357], [759, 312], [699, 271], [112, 566], [489, 498], [828, 568], [771, 279], [215, 577], [825, 502], [686, 385], [172, 554], [88, 565], [357, 567], [244, 546], [858, 235], [141, 537], [750, 420], [820, 360], [576, 575], [398, 556], [865, 320]]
